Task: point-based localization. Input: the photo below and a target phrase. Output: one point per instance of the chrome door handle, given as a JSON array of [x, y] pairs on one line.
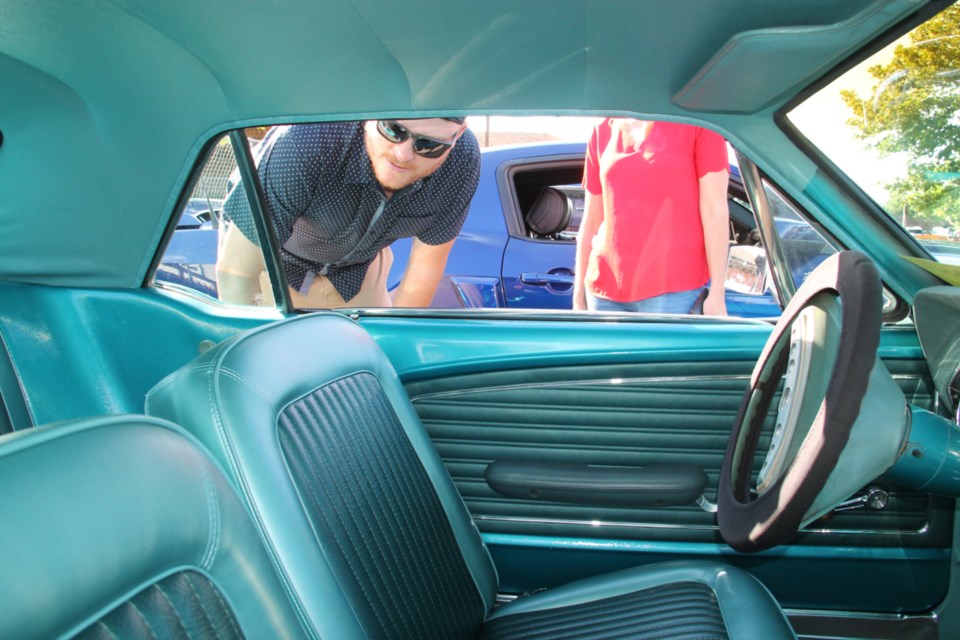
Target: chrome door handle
[[546, 278]]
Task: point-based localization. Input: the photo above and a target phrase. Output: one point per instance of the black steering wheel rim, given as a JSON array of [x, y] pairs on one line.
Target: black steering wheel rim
[[773, 517]]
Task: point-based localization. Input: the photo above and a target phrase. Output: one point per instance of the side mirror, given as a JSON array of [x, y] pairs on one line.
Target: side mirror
[[746, 269]]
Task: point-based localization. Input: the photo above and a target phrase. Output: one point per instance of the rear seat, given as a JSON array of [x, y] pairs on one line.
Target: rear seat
[[122, 527]]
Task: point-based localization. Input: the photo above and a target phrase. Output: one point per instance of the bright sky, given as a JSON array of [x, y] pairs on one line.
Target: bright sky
[[574, 128], [822, 118]]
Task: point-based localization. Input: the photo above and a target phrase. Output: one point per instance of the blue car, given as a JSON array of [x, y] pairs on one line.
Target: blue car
[[191, 256], [517, 247]]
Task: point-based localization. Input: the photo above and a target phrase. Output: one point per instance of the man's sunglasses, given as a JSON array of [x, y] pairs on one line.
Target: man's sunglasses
[[422, 145]]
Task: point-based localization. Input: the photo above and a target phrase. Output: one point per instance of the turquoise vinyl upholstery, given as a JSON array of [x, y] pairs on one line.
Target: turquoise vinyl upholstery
[[320, 437], [123, 527]]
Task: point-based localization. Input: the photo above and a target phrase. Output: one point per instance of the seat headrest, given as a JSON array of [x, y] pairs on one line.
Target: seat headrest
[[550, 213]]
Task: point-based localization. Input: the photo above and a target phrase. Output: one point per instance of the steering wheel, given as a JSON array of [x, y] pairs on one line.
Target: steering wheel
[[841, 420]]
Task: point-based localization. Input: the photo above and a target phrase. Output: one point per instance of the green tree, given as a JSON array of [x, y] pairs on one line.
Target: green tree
[[914, 110]]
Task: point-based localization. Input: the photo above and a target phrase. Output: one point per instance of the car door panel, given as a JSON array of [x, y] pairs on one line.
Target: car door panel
[[634, 394], [86, 352]]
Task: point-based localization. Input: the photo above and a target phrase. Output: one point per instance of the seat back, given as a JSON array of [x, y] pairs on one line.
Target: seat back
[[322, 441], [122, 527]]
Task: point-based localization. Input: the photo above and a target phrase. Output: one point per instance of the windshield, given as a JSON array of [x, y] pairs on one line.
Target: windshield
[[892, 124]]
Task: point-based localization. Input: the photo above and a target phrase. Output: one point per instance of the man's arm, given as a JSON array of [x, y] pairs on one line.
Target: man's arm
[[241, 272], [715, 218], [423, 273]]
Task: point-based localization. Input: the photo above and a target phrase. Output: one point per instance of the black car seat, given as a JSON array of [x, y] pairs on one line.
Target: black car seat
[[312, 421], [122, 527], [549, 214]]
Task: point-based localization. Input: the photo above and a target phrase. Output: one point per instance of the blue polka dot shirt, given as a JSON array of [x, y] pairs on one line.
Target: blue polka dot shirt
[[329, 212]]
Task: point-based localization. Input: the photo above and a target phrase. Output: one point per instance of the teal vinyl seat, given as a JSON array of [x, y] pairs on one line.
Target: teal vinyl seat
[[123, 527], [311, 420]]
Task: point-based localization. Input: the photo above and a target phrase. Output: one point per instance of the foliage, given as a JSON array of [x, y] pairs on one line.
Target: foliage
[[914, 111]]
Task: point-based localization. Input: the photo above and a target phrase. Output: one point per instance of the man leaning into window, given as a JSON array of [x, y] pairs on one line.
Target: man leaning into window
[[337, 195]]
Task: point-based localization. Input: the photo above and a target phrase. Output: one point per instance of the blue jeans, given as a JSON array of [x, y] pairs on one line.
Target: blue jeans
[[679, 302]]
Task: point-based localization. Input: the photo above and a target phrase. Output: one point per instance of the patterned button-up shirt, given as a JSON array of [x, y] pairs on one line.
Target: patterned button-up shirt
[[329, 212]]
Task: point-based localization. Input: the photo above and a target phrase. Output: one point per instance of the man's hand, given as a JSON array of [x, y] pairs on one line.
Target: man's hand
[[423, 273]]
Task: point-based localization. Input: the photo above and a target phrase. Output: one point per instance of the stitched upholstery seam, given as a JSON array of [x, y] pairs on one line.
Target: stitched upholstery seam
[[244, 486], [213, 516]]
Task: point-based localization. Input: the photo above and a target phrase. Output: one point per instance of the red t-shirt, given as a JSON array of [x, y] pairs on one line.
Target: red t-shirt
[[651, 238]]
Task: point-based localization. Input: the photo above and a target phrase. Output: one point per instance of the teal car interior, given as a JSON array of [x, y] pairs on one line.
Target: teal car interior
[[177, 465]]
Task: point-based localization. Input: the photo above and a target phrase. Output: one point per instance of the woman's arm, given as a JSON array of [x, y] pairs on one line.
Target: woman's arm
[[592, 217], [715, 218]]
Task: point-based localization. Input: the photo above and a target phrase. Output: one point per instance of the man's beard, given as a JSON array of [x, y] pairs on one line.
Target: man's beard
[[417, 170]]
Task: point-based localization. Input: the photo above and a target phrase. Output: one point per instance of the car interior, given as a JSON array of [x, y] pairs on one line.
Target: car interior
[[185, 457]]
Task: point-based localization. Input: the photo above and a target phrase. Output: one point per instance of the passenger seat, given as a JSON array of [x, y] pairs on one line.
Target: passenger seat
[[122, 527]]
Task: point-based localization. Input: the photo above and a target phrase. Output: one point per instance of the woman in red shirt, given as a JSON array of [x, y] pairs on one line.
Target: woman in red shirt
[[655, 223]]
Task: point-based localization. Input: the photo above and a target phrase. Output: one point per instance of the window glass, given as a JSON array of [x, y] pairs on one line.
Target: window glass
[[892, 124], [398, 213], [803, 246], [203, 234]]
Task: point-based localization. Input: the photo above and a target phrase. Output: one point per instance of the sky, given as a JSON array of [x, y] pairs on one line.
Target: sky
[[573, 128], [822, 118]]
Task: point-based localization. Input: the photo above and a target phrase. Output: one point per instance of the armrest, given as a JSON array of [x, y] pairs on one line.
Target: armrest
[[657, 485]]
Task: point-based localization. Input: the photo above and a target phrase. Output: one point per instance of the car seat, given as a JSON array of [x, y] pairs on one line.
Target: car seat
[[123, 527]]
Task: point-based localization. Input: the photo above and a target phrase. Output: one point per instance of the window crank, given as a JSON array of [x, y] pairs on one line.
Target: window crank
[[874, 498]]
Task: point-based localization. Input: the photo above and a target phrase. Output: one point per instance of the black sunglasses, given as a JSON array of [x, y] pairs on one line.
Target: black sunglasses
[[422, 145]]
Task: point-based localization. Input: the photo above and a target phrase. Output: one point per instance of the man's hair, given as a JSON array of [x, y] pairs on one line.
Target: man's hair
[[458, 120]]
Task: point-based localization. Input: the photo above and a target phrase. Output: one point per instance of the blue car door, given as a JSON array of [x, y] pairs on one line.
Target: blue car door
[[538, 274]]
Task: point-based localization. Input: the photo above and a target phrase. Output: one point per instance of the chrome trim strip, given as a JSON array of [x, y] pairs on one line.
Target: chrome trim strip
[[575, 383], [613, 524], [604, 381], [594, 523]]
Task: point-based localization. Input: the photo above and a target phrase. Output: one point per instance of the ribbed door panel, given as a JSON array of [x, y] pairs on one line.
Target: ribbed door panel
[[629, 415]]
